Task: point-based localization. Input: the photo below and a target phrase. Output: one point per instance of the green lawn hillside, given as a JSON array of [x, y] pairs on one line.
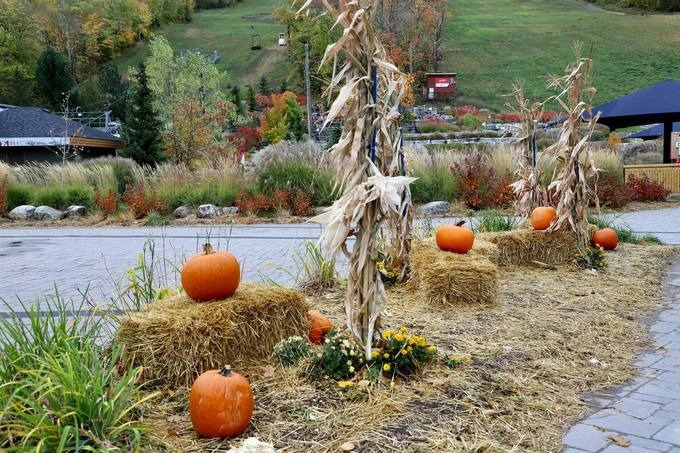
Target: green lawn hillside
[[228, 31], [491, 43]]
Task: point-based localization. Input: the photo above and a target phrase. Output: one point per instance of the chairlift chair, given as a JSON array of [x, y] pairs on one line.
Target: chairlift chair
[[255, 42]]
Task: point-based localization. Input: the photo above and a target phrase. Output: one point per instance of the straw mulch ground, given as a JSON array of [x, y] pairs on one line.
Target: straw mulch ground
[[555, 336], [449, 279], [176, 339]]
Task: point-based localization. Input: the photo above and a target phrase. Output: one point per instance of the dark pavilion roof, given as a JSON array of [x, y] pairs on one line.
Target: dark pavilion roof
[[653, 132]]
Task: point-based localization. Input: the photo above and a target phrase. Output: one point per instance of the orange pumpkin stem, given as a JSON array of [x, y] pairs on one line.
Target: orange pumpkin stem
[[461, 223], [226, 369], [207, 248]]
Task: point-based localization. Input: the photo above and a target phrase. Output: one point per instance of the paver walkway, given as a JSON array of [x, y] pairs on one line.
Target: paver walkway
[[646, 412]]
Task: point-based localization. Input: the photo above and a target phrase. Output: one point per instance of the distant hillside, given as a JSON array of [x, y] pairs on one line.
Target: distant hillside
[[229, 31], [492, 43], [489, 44]]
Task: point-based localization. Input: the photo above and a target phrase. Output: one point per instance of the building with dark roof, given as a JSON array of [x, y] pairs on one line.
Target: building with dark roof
[[32, 134]]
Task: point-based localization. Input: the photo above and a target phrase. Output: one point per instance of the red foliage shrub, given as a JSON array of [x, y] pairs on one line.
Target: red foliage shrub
[[106, 201], [509, 118], [302, 204], [612, 192], [478, 184], [466, 110], [245, 139], [253, 204], [141, 201], [263, 101], [547, 117], [643, 189], [280, 200], [302, 100], [4, 185]]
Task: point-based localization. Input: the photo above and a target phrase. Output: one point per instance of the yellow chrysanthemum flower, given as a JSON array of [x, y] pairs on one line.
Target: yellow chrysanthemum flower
[[403, 329], [386, 355], [399, 337], [387, 367]]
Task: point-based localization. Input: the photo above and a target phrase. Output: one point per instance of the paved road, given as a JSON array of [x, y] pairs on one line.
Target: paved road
[[33, 261], [645, 412]]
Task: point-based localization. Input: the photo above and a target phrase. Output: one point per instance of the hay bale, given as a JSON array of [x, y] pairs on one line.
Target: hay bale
[[523, 247], [176, 339], [450, 279]]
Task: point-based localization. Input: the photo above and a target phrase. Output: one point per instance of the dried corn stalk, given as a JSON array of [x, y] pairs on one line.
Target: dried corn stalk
[[571, 185], [372, 192], [528, 190]]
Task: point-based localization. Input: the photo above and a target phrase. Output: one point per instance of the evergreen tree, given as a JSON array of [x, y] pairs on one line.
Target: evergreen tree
[[54, 77], [264, 87], [143, 128], [250, 96], [236, 98], [283, 87], [111, 83]]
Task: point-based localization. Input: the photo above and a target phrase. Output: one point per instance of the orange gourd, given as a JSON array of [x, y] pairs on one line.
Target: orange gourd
[[211, 275], [607, 238], [221, 403], [455, 238], [319, 325], [542, 217]]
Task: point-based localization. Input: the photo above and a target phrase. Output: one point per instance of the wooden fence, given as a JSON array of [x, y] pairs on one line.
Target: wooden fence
[[666, 174]]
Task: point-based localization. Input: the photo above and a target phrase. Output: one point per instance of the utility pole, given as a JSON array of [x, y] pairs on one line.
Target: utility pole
[[308, 91]]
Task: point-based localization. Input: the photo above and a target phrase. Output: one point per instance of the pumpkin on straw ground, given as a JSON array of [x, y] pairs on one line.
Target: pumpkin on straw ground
[[175, 340], [221, 403], [319, 326], [607, 238]]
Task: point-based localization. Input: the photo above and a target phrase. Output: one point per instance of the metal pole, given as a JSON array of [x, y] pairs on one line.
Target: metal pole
[[667, 131], [308, 91]]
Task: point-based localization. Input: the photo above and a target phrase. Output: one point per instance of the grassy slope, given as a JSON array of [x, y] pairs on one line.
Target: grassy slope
[[229, 32], [492, 43]]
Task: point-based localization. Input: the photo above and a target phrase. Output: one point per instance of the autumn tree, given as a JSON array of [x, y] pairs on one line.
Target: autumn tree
[[283, 120], [143, 128]]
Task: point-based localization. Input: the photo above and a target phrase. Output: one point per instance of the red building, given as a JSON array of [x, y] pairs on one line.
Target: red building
[[440, 85]]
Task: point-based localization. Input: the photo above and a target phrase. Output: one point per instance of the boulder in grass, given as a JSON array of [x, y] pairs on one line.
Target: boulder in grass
[[175, 339], [230, 210], [434, 208], [181, 213], [207, 211], [47, 213], [75, 211], [23, 212]]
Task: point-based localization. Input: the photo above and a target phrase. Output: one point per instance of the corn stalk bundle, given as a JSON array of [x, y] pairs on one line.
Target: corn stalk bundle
[[373, 194], [529, 193], [571, 185]]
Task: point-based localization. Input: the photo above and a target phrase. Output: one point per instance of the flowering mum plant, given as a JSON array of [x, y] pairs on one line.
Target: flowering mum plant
[[400, 353]]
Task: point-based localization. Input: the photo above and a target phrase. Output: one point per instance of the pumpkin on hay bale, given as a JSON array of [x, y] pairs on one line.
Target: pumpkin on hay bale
[[176, 339], [452, 279], [525, 247]]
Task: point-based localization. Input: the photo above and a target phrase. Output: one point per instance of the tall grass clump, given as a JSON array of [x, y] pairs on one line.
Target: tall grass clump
[[61, 198], [61, 390], [18, 194], [492, 220], [433, 170]]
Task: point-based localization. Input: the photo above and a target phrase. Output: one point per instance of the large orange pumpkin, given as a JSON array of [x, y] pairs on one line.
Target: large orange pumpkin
[[211, 275], [542, 217], [607, 238], [319, 325], [221, 403], [455, 238]]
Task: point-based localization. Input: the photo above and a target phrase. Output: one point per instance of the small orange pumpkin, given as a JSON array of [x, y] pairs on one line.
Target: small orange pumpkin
[[607, 238], [455, 238], [542, 217], [221, 403], [211, 275], [319, 325]]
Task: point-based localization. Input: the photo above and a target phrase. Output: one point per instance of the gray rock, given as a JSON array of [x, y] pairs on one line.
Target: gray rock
[[434, 208], [23, 212], [75, 211], [47, 213], [207, 211], [181, 212], [230, 210]]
